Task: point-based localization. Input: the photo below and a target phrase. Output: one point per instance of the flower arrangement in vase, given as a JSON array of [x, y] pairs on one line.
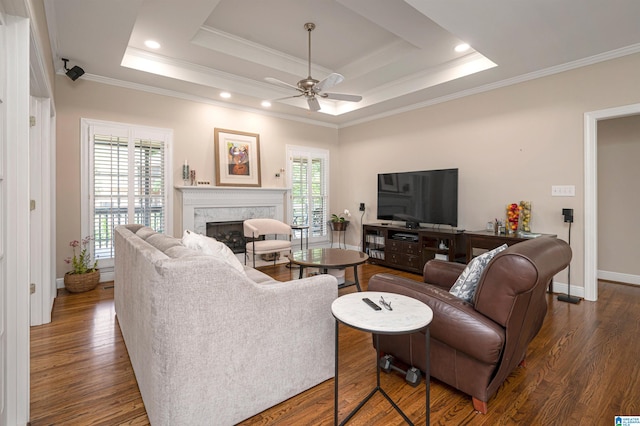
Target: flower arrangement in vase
[[339, 222]]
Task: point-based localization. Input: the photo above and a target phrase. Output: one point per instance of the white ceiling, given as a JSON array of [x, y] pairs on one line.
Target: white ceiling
[[396, 54]]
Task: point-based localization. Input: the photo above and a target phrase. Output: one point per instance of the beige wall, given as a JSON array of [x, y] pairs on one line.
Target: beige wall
[[510, 144], [193, 126], [618, 199]]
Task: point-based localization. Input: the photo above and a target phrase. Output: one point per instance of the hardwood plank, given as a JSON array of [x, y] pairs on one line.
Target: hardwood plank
[[581, 369]]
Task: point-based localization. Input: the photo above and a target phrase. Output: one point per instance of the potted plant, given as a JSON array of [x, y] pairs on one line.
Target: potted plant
[[84, 275], [339, 223]]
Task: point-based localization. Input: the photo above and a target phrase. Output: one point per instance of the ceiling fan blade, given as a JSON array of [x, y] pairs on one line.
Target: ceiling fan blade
[[281, 83], [314, 105], [287, 97], [342, 97], [331, 80]]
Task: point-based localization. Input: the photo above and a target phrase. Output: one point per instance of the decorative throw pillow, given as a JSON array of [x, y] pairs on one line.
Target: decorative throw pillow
[[191, 240], [211, 246], [467, 283]]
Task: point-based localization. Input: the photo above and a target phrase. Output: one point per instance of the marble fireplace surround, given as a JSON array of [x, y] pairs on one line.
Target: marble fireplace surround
[[202, 204]]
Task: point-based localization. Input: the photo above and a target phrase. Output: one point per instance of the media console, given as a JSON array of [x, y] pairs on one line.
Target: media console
[[409, 249]]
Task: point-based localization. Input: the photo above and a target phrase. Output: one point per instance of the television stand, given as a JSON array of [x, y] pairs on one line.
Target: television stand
[[409, 249]]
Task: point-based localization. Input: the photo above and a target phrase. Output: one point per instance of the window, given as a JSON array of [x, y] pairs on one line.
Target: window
[[126, 180], [309, 181]]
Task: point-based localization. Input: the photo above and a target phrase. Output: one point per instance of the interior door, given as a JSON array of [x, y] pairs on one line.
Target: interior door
[[42, 202]]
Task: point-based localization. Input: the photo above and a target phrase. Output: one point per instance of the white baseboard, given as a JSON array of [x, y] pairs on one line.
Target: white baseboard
[[561, 288], [619, 277]]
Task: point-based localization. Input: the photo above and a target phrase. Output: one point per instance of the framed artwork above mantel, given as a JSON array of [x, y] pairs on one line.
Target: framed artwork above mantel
[[237, 158]]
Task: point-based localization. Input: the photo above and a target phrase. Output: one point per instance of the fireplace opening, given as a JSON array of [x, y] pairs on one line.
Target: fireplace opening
[[230, 233]]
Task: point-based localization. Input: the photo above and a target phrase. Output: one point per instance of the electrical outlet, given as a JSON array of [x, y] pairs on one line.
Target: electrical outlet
[[361, 207]]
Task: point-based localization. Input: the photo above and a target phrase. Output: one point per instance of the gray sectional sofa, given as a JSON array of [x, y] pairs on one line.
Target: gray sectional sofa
[[210, 344]]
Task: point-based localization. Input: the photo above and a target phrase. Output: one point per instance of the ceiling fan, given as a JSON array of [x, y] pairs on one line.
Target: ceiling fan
[[313, 89]]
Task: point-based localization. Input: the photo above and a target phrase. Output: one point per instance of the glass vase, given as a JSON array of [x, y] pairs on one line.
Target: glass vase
[[525, 216]]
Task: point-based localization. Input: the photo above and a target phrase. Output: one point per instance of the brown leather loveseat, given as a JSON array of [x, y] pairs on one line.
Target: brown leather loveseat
[[476, 345]]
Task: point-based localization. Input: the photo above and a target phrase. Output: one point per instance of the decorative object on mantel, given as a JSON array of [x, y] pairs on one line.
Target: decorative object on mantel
[[84, 275], [237, 158], [185, 172], [339, 223], [192, 175]]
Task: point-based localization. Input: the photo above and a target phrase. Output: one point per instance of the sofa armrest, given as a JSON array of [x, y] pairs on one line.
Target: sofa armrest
[[455, 322], [442, 273]]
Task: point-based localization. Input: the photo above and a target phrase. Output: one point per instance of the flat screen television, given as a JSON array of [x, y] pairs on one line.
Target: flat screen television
[[428, 196]]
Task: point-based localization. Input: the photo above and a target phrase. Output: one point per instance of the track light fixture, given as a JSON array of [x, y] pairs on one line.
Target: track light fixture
[[73, 73]]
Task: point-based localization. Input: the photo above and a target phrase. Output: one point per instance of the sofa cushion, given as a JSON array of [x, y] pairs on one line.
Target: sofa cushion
[[466, 284], [180, 251], [145, 232], [162, 242], [211, 246]]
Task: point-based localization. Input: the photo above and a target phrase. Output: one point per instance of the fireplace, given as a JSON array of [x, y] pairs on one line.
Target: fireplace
[[230, 233], [204, 204]]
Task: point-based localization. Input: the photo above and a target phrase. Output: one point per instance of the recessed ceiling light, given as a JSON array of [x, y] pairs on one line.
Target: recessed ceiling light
[[152, 44], [266, 104], [225, 95], [462, 47]]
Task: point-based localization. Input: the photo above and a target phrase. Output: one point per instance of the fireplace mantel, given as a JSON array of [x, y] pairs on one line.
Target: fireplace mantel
[[201, 204]]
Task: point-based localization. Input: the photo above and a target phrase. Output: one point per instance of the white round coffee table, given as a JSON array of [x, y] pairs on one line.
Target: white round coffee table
[[407, 315]]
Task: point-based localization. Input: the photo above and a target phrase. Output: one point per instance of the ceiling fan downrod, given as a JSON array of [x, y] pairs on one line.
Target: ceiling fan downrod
[[309, 26], [307, 84]]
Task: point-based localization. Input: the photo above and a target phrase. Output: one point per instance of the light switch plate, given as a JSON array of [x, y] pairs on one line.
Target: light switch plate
[[563, 190]]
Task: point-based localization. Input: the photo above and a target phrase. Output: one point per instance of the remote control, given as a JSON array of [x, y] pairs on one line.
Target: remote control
[[371, 303]]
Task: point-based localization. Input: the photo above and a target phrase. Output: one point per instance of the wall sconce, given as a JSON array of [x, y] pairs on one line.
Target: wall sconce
[[73, 73]]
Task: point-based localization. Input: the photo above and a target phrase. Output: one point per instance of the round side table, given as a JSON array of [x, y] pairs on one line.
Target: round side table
[[407, 315], [304, 229]]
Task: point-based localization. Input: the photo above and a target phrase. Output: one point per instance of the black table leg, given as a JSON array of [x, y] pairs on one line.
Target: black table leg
[[378, 388], [335, 381], [355, 277], [427, 375]]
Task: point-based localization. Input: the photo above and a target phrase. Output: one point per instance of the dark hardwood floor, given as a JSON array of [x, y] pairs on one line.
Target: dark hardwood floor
[[581, 369]]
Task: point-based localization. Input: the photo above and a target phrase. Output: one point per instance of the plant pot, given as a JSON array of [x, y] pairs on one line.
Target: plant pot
[[78, 283], [339, 226]]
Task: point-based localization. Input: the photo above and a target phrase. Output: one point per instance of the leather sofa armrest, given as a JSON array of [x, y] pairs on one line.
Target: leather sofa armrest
[[442, 273], [455, 322]]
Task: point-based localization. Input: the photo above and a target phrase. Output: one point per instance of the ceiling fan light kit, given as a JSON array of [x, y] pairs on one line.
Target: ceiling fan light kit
[[311, 88]]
